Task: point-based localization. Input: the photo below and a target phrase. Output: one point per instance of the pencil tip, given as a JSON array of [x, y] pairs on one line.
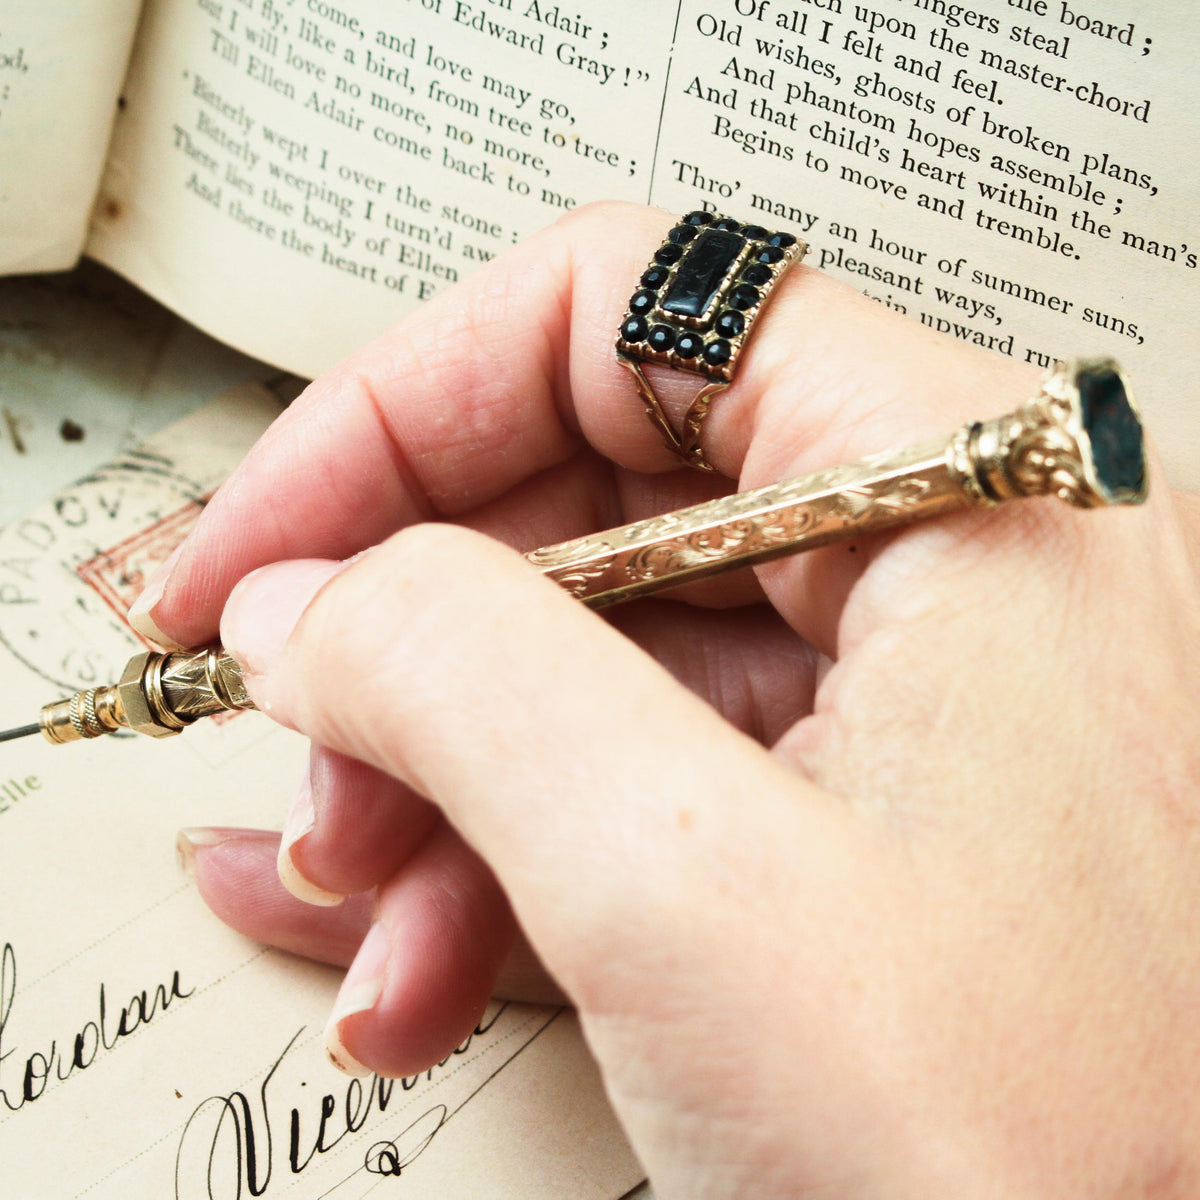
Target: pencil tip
[[9, 735]]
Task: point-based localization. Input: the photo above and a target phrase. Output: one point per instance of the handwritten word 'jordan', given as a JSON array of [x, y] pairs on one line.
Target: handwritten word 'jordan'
[[99, 1035]]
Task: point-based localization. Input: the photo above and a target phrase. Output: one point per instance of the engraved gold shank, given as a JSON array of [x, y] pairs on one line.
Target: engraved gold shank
[[752, 527], [1044, 448]]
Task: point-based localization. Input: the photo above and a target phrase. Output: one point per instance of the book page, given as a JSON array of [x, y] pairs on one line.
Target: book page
[[61, 67], [146, 1051], [293, 177], [1020, 174]]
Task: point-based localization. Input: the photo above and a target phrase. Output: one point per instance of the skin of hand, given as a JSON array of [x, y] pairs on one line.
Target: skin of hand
[[874, 872]]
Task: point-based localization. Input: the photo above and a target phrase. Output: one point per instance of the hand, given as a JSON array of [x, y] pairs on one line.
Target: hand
[[875, 873]]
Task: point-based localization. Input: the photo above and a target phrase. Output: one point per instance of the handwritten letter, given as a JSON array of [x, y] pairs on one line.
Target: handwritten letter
[[145, 1050]]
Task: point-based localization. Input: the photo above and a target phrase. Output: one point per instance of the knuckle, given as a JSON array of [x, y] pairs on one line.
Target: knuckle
[[430, 548], [586, 218]]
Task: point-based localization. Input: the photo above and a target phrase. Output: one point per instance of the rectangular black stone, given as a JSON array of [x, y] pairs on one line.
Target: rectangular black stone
[[701, 271]]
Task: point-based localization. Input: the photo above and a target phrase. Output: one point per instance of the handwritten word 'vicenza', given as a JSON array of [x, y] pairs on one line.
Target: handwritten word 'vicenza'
[[232, 1144]]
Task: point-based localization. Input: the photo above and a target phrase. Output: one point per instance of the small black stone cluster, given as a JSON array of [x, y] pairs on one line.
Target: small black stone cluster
[[683, 281]]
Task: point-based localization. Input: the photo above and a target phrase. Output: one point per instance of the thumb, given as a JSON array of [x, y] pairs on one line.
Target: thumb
[[611, 803]]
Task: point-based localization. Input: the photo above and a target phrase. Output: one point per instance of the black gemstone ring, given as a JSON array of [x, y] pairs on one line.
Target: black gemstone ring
[[694, 309]]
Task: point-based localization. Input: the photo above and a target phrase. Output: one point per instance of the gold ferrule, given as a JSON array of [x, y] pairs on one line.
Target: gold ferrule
[[158, 695], [87, 714], [201, 685], [152, 688]]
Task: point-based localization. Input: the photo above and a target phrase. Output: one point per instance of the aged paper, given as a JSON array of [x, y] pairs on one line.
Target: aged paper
[[294, 176], [90, 366], [61, 67], [353, 159], [145, 1050]]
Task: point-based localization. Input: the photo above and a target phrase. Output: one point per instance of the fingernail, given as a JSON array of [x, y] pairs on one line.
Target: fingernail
[[140, 616], [359, 993], [301, 821], [263, 609], [189, 841]]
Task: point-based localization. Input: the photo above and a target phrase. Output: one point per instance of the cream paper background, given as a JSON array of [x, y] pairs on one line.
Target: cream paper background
[[94, 899]]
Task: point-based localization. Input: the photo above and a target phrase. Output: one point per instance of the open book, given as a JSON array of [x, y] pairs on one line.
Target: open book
[[293, 175]]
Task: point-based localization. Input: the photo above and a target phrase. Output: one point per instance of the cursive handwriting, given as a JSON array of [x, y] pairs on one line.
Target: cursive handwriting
[[101, 1034], [244, 1167], [229, 1145], [393, 1157]]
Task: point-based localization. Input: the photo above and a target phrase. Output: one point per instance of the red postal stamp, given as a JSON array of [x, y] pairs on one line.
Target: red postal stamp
[[120, 574]]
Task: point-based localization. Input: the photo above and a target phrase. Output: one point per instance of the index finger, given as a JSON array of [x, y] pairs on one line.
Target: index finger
[[510, 373], [473, 393]]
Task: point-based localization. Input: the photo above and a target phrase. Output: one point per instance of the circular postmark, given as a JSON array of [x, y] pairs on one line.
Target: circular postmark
[[70, 569]]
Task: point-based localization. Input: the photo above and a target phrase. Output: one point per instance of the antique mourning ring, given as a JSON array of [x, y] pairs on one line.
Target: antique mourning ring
[[1079, 439], [694, 309]]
